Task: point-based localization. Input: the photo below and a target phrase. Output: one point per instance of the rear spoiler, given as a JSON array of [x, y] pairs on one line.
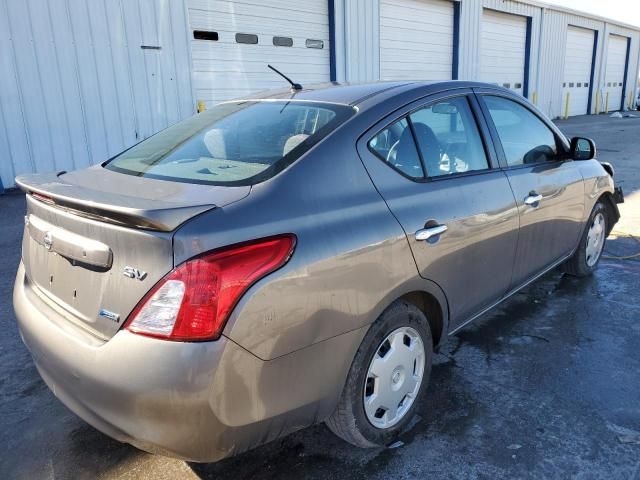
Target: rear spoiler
[[104, 206]]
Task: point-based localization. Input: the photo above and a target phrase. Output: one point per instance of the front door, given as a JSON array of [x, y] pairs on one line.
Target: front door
[[548, 190], [435, 173]]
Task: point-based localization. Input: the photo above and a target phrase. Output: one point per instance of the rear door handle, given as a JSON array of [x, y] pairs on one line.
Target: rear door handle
[[427, 233], [533, 199]]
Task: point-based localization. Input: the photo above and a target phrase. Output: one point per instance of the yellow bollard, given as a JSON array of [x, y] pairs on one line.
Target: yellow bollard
[[566, 105], [201, 106], [534, 98], [598, 102], [606, 104]]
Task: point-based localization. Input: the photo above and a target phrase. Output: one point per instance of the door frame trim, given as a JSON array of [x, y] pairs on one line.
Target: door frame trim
[[502, 159], [485, 135]]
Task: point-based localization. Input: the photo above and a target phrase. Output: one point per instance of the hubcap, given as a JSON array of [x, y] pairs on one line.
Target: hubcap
[[394, 377], [595, 239]]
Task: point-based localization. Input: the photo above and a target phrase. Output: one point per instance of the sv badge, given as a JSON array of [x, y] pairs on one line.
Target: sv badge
[[132, 272]]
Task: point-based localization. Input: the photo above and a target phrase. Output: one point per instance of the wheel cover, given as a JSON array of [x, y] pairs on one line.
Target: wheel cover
[[394, 377], [595, 239]]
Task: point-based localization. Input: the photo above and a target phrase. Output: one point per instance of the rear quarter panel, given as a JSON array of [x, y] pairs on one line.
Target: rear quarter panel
[[351, 261]]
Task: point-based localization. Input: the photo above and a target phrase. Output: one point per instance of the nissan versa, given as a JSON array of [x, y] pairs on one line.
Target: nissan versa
[[296, 258]]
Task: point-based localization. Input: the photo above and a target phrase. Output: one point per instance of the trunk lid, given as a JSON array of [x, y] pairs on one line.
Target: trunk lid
[[96, 241]]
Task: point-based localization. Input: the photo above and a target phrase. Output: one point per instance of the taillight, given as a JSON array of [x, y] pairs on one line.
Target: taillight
[[194, 301], [43, 198]]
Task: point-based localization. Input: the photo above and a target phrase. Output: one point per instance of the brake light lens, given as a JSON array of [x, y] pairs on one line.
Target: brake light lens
[[194, 301], [43, 198]]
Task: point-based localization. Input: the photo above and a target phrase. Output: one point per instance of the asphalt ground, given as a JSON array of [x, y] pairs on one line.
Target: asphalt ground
[[545, 386]]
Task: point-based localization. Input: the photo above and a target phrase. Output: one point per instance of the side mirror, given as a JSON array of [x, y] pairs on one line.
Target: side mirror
[[582, 148]]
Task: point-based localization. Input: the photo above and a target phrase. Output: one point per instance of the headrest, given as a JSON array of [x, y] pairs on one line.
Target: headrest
[[293, 142], [214, 141]]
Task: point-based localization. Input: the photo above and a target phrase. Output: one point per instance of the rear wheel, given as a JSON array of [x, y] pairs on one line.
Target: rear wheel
[[387, 379], [586, 258]]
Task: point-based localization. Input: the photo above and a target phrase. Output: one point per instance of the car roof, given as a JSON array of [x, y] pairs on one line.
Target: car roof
[[356, 93]]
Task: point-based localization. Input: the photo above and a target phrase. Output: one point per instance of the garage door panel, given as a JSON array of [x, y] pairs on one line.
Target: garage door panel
[[498, 31], [416, 39], [434, 17], [244, 78], [577, 69], [296, 69], [256, 11], [502, 50], [404, 67], [614, 72], [232, 82], [435, 52], [406, 57], [435, 6], [221, 23], [495, 50], [415, 26], [411, 38], [207, 51], [280, 5], [225, 69]]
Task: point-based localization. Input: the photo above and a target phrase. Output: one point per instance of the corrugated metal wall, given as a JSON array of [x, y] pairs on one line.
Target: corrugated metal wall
[[76, 86], [357, 34], [632, 74], [358, 45], [555, 25]]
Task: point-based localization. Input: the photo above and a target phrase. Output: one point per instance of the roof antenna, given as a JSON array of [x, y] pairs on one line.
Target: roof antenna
[[294, 86]]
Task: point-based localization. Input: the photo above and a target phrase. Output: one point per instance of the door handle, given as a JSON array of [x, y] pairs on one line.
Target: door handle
[[533, 199], [427, 233]]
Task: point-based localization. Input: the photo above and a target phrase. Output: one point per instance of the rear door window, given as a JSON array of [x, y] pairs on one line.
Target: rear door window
[[396, 146], [235, 143], [448, 138]]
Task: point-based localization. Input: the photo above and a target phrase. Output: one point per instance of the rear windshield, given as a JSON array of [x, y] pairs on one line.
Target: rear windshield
[[236, 143]]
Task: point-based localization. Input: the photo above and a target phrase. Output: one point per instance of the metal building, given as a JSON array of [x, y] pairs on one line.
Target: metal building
[[83, 80]]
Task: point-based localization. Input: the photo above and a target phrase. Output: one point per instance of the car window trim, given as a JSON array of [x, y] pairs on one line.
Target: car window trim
[[561, 144], [404, 113], [384, 160]]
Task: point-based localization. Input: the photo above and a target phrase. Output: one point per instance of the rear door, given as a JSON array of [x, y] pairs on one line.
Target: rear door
[[433, 169], [549, 190]]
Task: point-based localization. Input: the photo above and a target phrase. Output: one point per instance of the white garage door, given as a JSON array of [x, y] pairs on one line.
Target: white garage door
[[232, 43], [577, 69], [502, 49], [614, 73], [416, 39]]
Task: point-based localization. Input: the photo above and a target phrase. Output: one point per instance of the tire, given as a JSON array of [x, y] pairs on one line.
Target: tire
[[582, 264], [350, 420]]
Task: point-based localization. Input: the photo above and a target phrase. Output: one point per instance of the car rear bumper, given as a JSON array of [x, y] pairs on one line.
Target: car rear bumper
[[196, 401]]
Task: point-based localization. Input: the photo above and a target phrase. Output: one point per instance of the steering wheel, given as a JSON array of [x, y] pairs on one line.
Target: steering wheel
[[393, 152]]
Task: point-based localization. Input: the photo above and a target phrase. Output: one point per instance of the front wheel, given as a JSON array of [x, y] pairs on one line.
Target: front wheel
[[586, 258], [387, 379]]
